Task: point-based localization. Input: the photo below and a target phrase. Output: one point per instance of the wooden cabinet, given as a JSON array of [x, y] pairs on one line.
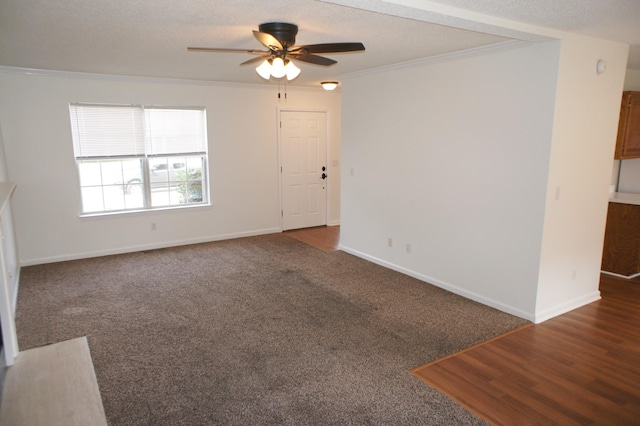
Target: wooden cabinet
[[621, 254], [628, 142]]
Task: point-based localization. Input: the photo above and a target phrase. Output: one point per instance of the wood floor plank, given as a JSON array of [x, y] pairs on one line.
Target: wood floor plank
[[519, 380], [325, 238], [579, 368], [467, 392]]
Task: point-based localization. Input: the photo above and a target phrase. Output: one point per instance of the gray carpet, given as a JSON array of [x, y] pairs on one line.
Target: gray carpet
[[255, 331]]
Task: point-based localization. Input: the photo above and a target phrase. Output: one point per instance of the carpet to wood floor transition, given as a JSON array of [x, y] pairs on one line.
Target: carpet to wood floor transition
[[259, 330]]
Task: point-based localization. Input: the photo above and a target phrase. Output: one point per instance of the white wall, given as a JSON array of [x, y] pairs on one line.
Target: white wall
[[7, 236], [3, 162], [629, 175], [587, 108], [452, 158], [10, 273], [462, 160], [632, 80], [243, 160]]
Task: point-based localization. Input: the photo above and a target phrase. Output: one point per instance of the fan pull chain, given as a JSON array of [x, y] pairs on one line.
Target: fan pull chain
[[285, 90]]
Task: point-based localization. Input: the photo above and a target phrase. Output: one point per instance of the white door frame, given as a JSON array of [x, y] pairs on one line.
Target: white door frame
[[326, 157]]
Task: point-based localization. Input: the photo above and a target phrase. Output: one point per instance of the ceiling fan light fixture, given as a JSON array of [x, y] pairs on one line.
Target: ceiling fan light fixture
[[291, 70], [329, 85], [264, 69], [279, 38], [277, 68]]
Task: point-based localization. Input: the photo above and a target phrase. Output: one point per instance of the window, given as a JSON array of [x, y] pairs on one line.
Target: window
[[139, 157]]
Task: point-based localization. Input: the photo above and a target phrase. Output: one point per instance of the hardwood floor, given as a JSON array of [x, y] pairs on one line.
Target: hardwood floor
[[325, 238], [582, 367]]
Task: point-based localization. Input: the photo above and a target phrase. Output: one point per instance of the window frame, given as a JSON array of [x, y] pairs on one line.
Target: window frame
[[145, 168]]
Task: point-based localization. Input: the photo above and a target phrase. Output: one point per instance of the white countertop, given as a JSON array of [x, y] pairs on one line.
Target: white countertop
[[624, 198]]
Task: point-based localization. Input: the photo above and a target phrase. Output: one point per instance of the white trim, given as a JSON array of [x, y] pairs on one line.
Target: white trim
[[7, 306], [168, 209], [312, 86], [447, 57], [280, 110], [446, 286], [117, 77], [628, 277], [132, 249], [279, 153], [482, 50], [567, 306], [433, 12], [536, 317], [334, 223]]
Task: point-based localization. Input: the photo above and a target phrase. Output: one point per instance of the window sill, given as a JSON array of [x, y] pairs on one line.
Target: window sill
[[160, 210]]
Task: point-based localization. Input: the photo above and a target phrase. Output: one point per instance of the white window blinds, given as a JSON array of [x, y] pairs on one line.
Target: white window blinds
[[114, 131], [175, 130]]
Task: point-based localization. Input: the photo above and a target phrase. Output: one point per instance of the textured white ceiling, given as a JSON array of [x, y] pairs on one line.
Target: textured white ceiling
[[150, 37], [617, 20]]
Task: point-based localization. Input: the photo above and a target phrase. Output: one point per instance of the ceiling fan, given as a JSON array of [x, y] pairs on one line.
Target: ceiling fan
[[280, 38]]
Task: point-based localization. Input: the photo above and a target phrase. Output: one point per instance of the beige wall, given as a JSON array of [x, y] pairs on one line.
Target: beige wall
[[587, 107], [3, 162], [494, 168], [243, 156], [452, 157], [632, 80]]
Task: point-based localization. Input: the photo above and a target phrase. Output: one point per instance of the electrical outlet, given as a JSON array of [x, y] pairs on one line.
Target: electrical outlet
[[408, 247], [153, 226], [390, 242]]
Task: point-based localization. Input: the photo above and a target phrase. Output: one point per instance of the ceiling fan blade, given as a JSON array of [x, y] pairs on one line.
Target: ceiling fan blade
[[329, 48], [313, 59], [256, 59], [268, 40], [215, 49]]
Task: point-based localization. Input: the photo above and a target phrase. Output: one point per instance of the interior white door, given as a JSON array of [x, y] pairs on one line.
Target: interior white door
[[303, 156]]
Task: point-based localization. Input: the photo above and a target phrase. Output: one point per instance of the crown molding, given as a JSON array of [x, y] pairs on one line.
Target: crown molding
[[447, 57], [147, 80]]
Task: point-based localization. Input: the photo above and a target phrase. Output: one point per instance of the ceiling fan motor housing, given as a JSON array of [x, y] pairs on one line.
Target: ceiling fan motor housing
[[285, 33], [280, 38]]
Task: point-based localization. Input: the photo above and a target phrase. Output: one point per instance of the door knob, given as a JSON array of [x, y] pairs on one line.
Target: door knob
[[324, 176]]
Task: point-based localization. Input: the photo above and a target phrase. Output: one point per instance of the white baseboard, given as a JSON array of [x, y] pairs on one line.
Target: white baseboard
[[536, 317], [628, 277], [446, 286], [153, 246], [565, 307]]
